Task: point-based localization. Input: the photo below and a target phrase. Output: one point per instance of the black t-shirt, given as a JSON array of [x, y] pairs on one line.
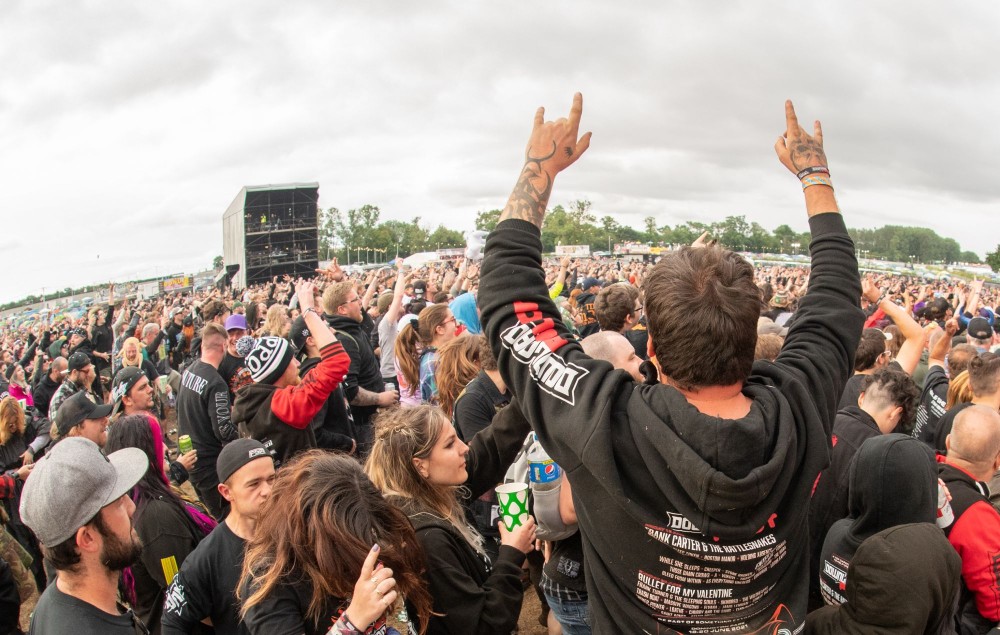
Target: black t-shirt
[[206, 587], [227, 369], [565, 566], [283, 612], [933, 400], [58, 613], [477, 405]]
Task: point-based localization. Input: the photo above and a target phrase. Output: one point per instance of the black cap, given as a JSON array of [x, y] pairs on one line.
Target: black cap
[[236, 454], [419, 288], [124, 380], [979, 328], [82, 332], [77, 361], [76, 409], [299, 334]]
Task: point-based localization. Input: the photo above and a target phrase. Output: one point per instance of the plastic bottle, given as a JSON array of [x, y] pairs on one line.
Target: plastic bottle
[[543, 472]]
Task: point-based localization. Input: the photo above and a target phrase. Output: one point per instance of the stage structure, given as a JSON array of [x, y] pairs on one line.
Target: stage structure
[[271, 230]]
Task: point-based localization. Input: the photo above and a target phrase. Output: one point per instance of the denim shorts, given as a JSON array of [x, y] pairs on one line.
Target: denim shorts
[[572, 615]]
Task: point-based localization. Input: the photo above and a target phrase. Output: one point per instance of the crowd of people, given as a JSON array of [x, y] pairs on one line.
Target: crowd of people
[[710, 446]]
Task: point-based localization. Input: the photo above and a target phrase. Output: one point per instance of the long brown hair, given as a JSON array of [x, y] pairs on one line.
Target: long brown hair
[[414, 335], [401, 435], [319, 523], [458, 364]]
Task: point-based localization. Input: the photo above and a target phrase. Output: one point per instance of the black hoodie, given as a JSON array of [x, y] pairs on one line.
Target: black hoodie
[[364, 372], [852, 427], [892, 592], [893, 481], [689, 521], [333, 425], [471, 594]]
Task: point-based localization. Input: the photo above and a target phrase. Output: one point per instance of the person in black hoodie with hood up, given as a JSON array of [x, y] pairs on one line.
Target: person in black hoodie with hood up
[[893, 482], [887, 402], [903, 581], [692, 494]]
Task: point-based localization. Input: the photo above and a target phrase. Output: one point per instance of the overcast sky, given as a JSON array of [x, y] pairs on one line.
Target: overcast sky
[[128, 127]]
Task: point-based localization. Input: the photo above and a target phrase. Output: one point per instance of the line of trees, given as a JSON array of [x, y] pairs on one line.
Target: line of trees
[[574, 224], [357, 234]]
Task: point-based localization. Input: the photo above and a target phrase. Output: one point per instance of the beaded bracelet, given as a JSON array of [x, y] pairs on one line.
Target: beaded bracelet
[[817, 169], [816, 180]]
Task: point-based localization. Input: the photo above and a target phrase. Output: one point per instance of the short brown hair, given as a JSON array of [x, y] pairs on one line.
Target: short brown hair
[[336, 295], [613, 305], [984, 374], [702, 307], [870, 347], [958, 358], [212, 330], [212, 309]]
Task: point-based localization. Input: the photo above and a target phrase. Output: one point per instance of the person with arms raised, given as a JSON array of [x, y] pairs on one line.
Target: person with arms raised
[[705, 476]]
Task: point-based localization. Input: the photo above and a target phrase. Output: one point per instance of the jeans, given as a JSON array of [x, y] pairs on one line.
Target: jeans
[[572, 615]]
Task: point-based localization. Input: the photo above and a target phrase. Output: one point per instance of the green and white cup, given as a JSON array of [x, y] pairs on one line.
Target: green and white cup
[[513, 500]]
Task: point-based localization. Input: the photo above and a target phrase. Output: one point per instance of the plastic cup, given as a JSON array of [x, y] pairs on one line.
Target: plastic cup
[[513, 503]]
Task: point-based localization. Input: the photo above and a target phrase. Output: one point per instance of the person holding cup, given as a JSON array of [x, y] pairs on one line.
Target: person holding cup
[[422, 466]]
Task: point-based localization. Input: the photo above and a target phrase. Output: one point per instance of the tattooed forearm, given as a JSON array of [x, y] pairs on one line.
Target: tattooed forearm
[[531, 193]]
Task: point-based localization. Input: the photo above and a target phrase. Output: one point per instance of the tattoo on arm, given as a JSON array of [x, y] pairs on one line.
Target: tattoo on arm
[[532, 191], [365, 398]]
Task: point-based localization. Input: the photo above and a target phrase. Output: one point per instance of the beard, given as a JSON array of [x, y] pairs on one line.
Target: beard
[[118, 554]]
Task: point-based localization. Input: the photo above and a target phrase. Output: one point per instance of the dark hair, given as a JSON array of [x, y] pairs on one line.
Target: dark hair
[[212, 309], [959, 357], [613, 305], [895, 388], [65, 556], [984, 374], [702, 307], [893, 345], [143, 431], [870, 347], [318, 525]]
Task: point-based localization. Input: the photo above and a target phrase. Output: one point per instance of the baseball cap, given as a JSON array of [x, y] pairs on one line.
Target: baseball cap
[[236, 321], [590, 282], [76, 361], [69, 486], [236, 454], [76, 409], [979, 328], [384, 301], [124, 380], [299, 333], [419, 288], [82, 332]]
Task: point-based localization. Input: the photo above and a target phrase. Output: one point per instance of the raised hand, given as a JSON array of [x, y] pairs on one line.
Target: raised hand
[[332, 271], [374, 592], [796, 149], [552, 147]]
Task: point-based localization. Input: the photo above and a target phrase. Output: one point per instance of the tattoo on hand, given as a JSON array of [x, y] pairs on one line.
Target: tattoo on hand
[[568, 150], [806, 153], [532, 191]]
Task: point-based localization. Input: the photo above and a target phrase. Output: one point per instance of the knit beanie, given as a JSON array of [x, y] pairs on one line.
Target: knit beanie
[[269, 359], [245, 344]]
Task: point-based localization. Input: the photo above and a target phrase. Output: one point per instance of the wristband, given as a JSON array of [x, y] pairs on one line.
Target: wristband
[[311, 310], [817, 169], [809, 181]]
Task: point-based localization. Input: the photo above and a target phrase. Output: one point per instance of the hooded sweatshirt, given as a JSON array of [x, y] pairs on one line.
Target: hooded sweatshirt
[[893, 481], [280, 418], [689, 522], [890, 591]]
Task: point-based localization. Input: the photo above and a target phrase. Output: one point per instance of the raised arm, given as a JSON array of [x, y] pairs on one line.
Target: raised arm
[[913, 344]]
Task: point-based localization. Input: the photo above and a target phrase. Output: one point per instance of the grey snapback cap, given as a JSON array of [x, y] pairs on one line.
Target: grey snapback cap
[[70, 485]]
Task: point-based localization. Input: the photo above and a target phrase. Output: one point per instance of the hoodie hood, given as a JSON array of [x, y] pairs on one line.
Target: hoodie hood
[[891, 591], [252, 400], [893, 481], [728, 476], [464, 309]]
